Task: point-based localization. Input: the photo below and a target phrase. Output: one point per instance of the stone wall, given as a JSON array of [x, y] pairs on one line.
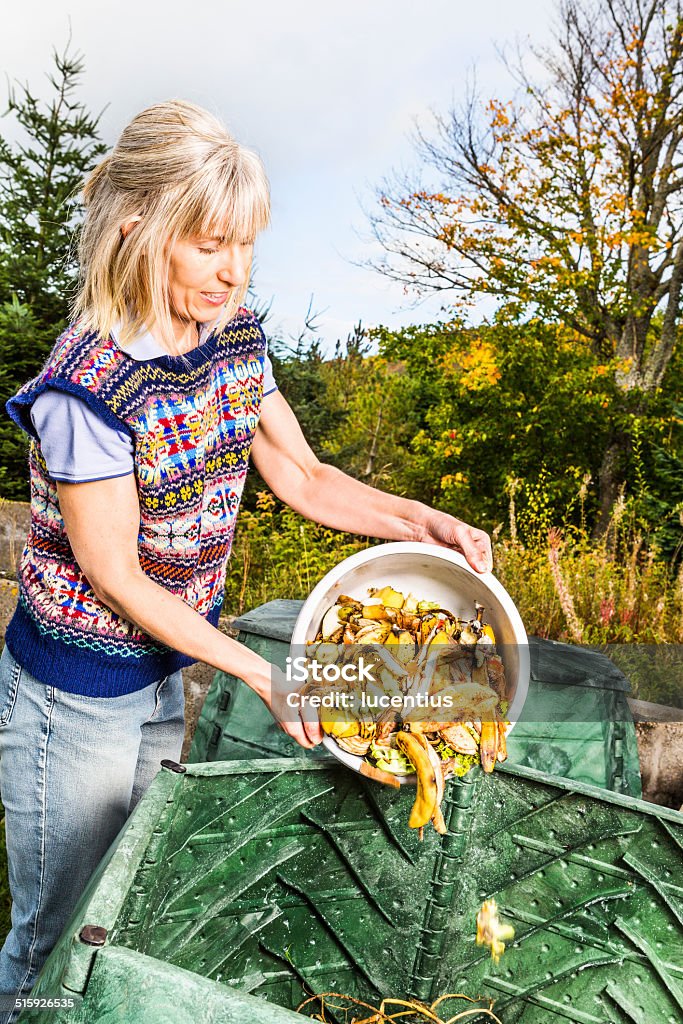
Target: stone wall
[[14, 520]]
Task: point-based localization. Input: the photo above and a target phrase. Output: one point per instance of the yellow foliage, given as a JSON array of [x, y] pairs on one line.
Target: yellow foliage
[[452, 480], [265, 501], [479, 369], [475, 368]]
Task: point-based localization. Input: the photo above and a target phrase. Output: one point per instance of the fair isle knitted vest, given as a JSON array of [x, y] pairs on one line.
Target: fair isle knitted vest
[[192, 419]]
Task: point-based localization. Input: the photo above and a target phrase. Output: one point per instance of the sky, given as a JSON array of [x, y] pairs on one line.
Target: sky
[[328, 93]]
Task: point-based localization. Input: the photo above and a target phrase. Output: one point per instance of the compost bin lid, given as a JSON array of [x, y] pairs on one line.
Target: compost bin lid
[[275, 619]]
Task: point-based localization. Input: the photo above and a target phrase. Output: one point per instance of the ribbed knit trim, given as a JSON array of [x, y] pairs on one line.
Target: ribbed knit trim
[[19, 406], [75, 670]]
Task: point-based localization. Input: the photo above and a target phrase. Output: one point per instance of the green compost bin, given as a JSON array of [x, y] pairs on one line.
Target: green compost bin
[[238, 888], [576, 721]]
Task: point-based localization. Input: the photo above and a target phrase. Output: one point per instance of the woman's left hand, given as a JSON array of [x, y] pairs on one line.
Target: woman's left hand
[[449, 532]]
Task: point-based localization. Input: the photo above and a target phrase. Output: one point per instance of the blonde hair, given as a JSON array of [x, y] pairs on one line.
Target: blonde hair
[[178, 169]]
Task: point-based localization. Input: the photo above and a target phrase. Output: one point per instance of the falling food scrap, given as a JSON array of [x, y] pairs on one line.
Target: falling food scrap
[[490, 930]]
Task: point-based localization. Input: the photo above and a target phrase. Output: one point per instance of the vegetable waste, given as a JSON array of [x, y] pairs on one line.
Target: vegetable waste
[[437, 701], [491, 931]]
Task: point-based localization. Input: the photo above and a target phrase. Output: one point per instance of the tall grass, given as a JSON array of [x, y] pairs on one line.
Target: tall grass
[[630, 607], [580, 593], [279, 554]]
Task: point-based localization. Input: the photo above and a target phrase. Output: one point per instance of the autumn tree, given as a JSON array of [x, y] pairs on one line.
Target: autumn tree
[[564, 203]]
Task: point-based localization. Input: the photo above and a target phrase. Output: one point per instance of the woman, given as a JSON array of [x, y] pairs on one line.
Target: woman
[[143, 420]]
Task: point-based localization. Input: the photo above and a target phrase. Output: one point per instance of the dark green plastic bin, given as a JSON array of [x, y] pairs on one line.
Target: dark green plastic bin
[[274, 878], [577, 722]]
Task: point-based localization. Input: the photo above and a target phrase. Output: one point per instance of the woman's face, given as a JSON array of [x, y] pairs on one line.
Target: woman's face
[[202, 273]]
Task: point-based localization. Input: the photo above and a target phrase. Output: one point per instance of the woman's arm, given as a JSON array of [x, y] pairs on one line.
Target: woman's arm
[[326, 495], [102, 520]]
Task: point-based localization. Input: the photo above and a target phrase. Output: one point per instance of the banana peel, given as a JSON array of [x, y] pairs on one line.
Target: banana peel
[[425, 799], [492, 744], [406, 647], [430, 782], [437, 818], [438, 821], [343, 723], [488, 745], [491, 931], [459, 738], [502, 741]]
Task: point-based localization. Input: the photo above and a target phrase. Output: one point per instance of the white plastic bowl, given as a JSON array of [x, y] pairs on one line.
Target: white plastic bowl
[[432, 573]]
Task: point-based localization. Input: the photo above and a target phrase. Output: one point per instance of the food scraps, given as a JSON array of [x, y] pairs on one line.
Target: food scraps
[[491, 931], [427, 694]]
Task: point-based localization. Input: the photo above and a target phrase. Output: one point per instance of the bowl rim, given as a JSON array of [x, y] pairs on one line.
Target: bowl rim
[[408, 547]]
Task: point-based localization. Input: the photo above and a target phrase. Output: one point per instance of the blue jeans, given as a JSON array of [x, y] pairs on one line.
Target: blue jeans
[[72, 769]]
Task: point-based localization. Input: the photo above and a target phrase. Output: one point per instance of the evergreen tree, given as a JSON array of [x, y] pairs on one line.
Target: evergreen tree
[[58, 142]]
